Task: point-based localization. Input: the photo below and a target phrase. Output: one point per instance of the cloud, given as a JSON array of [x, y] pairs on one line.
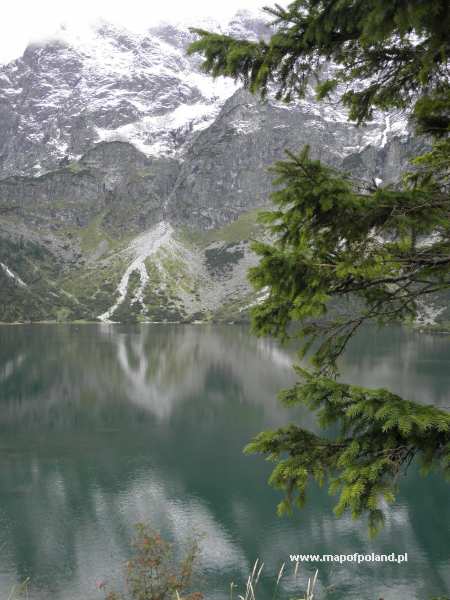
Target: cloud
[[24, 20]]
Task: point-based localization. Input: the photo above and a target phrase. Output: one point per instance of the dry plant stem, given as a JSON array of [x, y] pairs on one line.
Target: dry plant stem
[[253, 578]]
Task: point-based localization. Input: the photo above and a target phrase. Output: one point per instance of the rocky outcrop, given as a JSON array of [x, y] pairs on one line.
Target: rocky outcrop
[[113, 180], [226, 170]]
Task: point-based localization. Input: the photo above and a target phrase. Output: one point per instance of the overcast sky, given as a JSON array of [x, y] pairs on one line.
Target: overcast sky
[[29, 20]]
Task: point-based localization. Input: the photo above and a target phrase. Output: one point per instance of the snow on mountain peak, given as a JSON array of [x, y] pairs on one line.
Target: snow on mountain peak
[[104, 82]]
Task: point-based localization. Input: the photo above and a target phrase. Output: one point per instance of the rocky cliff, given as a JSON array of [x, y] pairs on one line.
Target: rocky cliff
[[130, 181]]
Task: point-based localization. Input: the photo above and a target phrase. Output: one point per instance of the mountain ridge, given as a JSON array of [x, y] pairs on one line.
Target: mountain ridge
[[77, 207]]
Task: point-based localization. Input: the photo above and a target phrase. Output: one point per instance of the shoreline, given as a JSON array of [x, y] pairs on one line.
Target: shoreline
[[419, 329]]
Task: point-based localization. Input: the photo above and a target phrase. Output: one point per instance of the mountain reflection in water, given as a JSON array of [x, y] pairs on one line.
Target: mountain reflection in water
[[103, 426]]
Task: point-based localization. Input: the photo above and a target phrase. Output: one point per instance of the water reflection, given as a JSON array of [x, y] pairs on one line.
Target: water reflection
[[415, 365], [157, 369], [103, 426]]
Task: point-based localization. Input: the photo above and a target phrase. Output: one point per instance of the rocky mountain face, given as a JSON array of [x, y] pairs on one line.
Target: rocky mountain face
[[130, 181], [66, 94]]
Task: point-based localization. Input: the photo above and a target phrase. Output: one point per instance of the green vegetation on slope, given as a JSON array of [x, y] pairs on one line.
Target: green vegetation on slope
[[245, 227], [40, 297]]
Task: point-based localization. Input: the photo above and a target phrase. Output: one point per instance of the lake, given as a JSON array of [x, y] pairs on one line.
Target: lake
[[103, 426]]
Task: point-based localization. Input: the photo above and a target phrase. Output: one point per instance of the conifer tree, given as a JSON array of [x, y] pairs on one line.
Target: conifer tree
[[382, 250]]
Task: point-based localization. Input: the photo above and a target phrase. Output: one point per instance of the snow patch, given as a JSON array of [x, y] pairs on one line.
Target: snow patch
[[260, 298], [12, 275], [245, 127], [429, 240], [156, 135], [428, 313], [141, 248], [385, 132]]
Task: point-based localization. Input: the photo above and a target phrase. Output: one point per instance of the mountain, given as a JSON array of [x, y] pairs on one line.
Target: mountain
[[130, 181], [66, 94]]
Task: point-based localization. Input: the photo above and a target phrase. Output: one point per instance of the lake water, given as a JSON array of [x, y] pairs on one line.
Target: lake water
[[104, 426]]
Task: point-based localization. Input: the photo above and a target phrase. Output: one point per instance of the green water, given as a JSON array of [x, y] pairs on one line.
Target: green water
[[104, 426]]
